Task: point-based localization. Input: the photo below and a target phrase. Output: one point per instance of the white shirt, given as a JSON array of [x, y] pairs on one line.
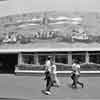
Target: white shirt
[[76, 67], [48, 65], [53, 69]]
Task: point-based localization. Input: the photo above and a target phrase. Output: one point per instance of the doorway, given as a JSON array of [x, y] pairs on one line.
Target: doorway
[[8, 62]]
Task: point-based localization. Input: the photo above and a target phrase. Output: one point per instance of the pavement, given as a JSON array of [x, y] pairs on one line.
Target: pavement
[[14, 87]]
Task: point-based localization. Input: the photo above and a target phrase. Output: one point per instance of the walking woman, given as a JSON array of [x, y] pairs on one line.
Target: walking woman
[[54, 75]]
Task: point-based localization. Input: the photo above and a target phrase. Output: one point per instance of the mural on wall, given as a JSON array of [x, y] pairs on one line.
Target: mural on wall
[[59, 28], [14, 37]]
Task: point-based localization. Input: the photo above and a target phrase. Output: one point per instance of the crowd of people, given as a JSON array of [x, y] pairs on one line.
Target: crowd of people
[[51, 77]]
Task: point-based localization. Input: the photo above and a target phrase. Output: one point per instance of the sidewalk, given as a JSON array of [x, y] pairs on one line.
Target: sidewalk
[[29, 88]]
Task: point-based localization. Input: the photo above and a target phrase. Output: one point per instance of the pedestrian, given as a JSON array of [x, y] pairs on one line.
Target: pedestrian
[[76, 74], [48, 78], [47, 67], [53, 75]]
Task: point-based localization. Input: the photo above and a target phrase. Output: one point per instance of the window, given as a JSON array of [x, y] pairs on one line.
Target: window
[[28, 59], [61, 59], [42, 59], [95, 58], [80, 56]]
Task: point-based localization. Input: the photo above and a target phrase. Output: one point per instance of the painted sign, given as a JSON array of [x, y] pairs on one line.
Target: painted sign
[[80, 36], [45, 35], [14, 37]]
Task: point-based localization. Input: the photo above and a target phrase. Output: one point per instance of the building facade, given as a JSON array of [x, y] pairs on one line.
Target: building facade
[[27, 40]]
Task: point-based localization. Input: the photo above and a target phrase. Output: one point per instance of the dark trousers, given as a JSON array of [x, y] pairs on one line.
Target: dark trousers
[[49, 82], [75, 79]]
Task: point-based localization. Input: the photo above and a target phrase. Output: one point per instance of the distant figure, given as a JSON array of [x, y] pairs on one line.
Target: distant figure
[[76, 74]]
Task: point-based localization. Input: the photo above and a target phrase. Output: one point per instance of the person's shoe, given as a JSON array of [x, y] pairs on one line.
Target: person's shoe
[[48, 92], [74, 87]]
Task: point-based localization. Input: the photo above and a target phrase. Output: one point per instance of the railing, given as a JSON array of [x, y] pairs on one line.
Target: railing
[[60, 67]]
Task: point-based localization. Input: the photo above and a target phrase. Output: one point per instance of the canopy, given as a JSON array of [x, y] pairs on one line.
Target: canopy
[[48, 46]]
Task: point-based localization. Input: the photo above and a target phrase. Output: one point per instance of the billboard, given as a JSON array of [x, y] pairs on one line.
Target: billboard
[[60, 28]]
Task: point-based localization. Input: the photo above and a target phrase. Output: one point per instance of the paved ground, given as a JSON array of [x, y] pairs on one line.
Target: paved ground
[[29, 88]]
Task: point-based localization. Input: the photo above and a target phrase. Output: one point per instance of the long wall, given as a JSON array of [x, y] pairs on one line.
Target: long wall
[[89, 61], [39, 58]]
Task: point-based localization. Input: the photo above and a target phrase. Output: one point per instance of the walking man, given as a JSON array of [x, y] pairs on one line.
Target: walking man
[[48, 78], [76, 74]]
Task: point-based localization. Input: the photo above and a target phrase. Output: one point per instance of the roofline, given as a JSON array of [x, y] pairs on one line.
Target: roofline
[[48, 50]]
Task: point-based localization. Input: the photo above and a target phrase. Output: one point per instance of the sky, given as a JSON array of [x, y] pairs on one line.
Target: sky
[[9, 7]]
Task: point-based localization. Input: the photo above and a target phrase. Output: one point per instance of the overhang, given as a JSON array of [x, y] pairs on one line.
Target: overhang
[[47, 46]]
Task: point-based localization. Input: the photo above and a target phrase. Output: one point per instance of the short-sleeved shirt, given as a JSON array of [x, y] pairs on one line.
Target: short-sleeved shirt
[[75, 68], [48, 65], [53, 69]]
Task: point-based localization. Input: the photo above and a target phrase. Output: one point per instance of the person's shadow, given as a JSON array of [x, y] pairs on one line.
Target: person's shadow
[[70, 86]]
